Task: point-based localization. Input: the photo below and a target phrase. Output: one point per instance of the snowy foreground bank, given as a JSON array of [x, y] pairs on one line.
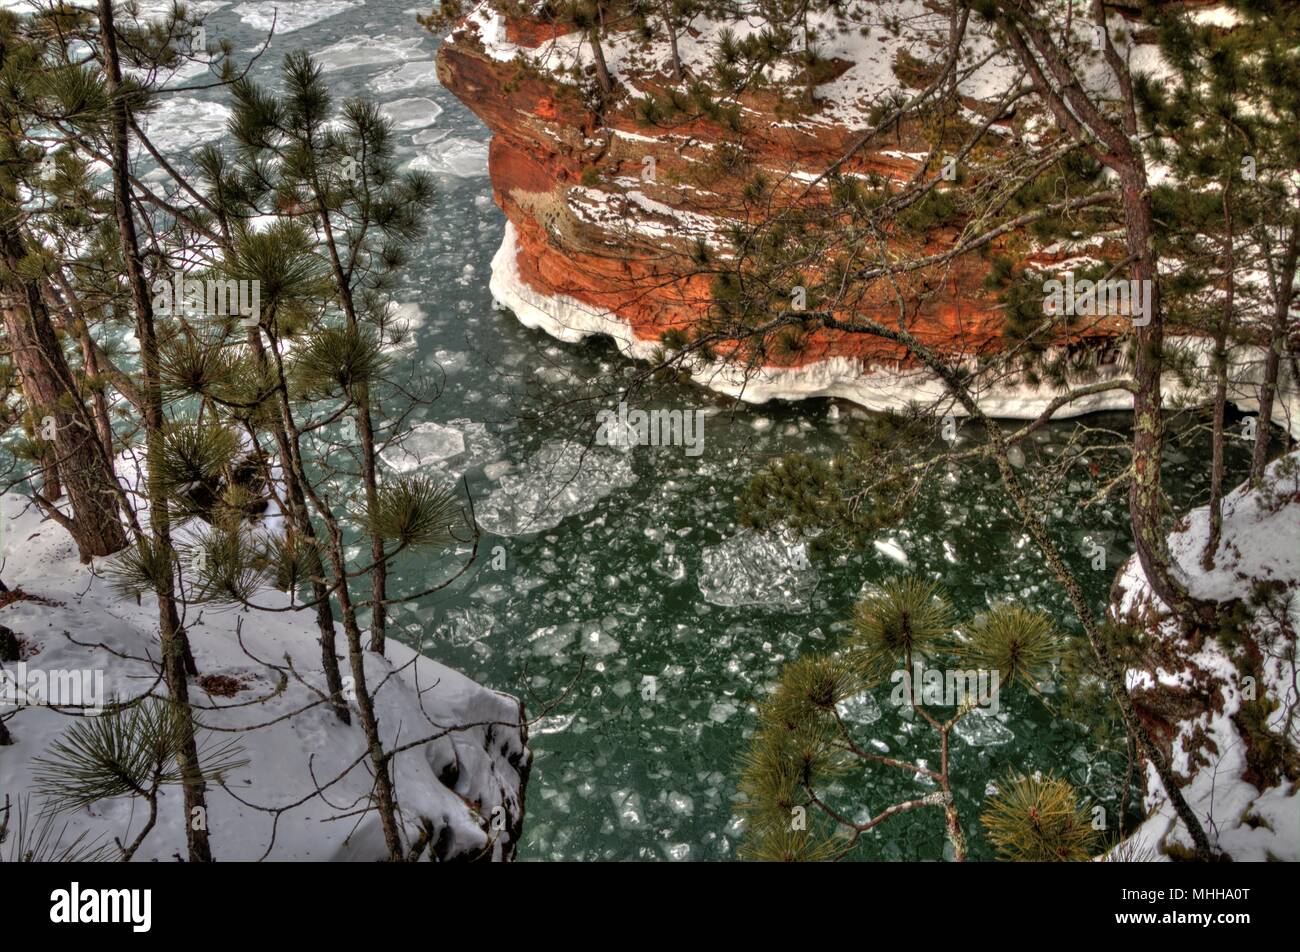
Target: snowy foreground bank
[[469, 782], [1234, 693]]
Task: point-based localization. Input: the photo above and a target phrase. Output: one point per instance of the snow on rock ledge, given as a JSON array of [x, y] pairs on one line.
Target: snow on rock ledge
[[594, 247], [1196, 698], [848, 378], [462, 782]]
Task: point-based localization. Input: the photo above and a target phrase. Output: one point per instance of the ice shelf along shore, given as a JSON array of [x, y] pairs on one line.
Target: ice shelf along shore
[[880, 389]]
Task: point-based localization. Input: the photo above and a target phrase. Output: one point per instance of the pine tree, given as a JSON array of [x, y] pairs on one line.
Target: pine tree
[[803, 743], [1223, 127], [72, 456]]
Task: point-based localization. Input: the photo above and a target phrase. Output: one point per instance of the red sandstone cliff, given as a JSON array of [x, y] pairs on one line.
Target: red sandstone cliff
[[592, 224]]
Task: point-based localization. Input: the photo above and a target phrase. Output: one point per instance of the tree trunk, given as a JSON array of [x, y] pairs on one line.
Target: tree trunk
[[1283, 291], [75, 324], [666, 10], [369, 467], [1220, 390], [1112, 140], [174, 647], [47, 382], [1146, 497], [300, 520], [602, 71], [384, 797]]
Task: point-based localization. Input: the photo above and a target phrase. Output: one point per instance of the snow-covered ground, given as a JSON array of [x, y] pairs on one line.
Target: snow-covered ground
[[469, 781], [1261, 544]]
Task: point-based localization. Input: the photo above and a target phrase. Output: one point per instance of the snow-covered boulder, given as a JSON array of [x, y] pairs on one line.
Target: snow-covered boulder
[[468, 781], [1221, 702]]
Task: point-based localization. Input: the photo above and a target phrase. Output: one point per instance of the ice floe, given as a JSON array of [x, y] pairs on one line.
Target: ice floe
[[754, 568], [367, 51], [407, 76], [560, 480], [184, 122], [289, 15], [414, 113], [449, 450], [455, 157], [981, 729]]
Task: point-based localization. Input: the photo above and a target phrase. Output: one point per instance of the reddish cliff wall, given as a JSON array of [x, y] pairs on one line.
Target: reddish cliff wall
[[590, 227]]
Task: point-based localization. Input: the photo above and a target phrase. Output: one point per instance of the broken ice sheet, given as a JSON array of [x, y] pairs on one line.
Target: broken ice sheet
[[183, 122], [465, 626], [285, 16], [860, 710], [414, 113], [455, 157], [559, 480], [752, 568], [627, 804], [979, 729], [368, 51], [407, 76], [443, 450]]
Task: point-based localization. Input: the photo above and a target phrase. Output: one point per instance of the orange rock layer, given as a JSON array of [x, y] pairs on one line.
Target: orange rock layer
[[547, 142]]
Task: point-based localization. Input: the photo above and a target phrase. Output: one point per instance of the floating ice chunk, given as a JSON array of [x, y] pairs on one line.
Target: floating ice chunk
[[627, 804], [466, 626], [289, 15], [758, 569], [550, 642], [722, 711], [669, 564], [677, 852], [552, 724], [459, 158], [426, 443], [680, 803], [184, 122], [558, 481], [407, 76], [450, 450], [495, 471], [889, 548], [862, 709], [429, 136], [414, 113], [596, 642], [152, 9], [367, 51], [983, 730]]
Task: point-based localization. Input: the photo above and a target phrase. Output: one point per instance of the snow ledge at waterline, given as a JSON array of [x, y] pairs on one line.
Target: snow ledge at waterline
[[570, 320], [469, 782]]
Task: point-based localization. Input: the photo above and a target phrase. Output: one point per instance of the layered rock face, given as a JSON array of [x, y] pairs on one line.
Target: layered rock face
[[604, 212], [607, 209]]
